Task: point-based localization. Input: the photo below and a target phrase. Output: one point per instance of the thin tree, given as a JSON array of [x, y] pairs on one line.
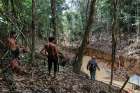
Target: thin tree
[[114, 30], [13, 8], [88, 26], [124, 84], [53, 16], [33, 31]]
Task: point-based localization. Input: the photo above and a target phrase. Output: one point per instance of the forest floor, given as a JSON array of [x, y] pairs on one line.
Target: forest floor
[[66, 82]]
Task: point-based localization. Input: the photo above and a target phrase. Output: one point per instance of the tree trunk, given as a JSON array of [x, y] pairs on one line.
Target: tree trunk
[[13, 9], [114, 29], [53, 16], [78, 63], [87, 9], [33, 31]]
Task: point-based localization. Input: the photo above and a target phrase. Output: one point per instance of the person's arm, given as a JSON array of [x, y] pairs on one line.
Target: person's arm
[[88, 65], [98, 67], [43, 51], [22, 48], [56, 51]]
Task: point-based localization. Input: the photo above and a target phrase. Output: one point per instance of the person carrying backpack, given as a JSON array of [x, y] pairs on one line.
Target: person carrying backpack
[[92, 66], [51, 50]]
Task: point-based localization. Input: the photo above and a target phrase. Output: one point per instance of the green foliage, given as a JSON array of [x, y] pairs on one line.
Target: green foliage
[[103, 8], [3, 31], [129, 14], [71, 15]]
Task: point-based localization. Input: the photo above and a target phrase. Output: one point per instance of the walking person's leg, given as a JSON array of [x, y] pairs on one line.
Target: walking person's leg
[[58, 65], [8, 75], [93, 75], [49, 65], [55, 67]]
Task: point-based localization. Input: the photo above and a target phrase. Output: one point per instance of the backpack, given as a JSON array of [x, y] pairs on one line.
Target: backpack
[[92, 66]]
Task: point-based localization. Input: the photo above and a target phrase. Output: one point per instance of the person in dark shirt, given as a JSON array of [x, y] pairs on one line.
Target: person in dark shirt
[[92, 66], [51, 51]]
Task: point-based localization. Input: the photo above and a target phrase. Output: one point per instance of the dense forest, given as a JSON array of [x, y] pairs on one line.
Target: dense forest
[[69, 34]]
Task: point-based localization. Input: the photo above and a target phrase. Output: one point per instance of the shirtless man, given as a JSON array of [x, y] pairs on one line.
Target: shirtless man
[[11, 61], [14, 51], [51, 51]]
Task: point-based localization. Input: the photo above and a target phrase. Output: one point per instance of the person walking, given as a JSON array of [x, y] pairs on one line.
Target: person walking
[[92, 66], [14, 51], [51, 51]]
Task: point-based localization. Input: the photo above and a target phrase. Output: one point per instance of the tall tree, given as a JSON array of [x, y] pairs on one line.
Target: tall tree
[[53, 16], [33, 31], [89, 22], [114, 30]]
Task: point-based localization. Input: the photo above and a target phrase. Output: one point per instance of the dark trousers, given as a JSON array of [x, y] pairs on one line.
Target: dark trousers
[[52, 61], [93, 75]]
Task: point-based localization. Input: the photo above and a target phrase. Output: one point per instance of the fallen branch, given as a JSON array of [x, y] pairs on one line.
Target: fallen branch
[[124, 84]]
